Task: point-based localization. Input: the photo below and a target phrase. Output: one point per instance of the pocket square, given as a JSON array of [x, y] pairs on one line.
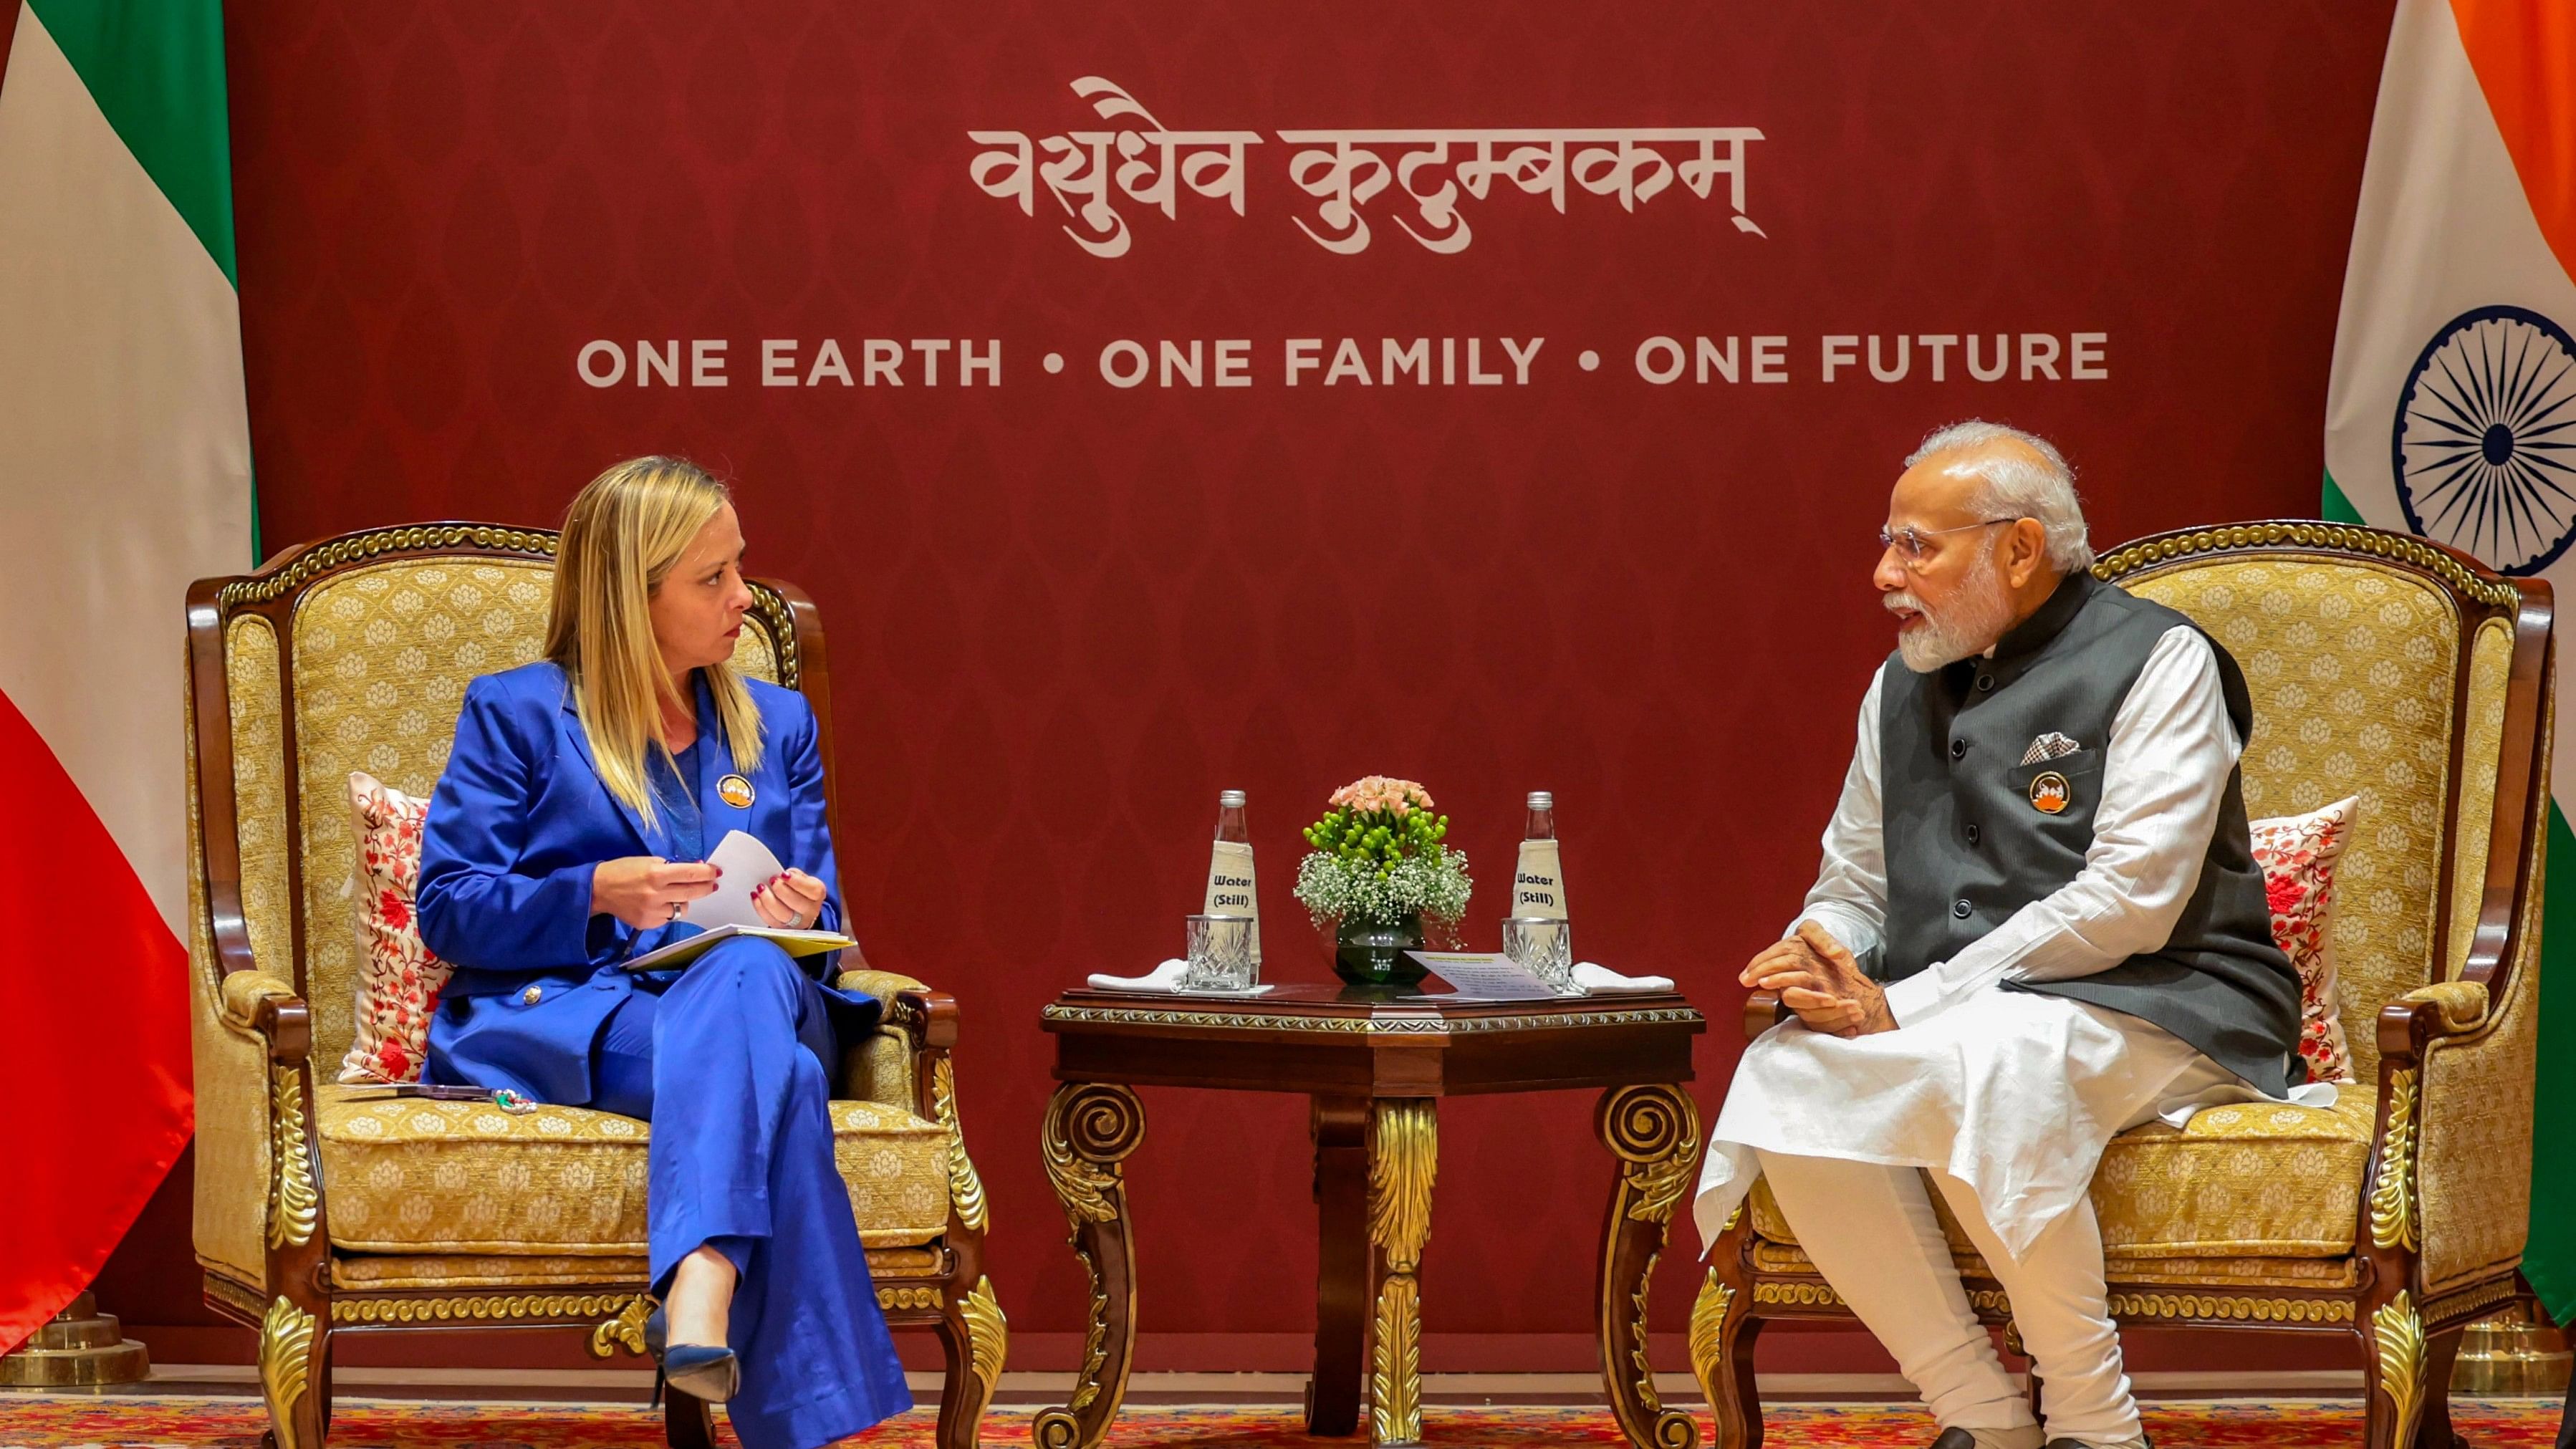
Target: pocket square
[[2050, 746]]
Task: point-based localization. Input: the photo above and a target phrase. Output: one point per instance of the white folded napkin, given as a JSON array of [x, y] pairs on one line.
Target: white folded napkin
[[1166, 977], [2178, 1113], [1597, 979]]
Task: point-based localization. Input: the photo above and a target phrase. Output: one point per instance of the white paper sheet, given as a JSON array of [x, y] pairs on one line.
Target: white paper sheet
[[1479, 977], [745, 863]]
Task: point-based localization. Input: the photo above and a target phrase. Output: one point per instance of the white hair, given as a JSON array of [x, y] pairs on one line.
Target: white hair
[[2011, 486]]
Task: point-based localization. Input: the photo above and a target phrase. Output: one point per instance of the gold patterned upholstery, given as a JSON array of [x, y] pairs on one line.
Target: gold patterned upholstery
[[2256, 1181], [456, 1271], [406, 1175], [2383, 668], [354, 654], [2352, 668]]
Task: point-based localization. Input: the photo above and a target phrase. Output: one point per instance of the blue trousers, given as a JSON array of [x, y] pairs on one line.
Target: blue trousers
[[728, 1064]]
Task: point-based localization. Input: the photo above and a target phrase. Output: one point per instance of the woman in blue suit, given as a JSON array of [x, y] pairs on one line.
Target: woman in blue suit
[[568, 833]]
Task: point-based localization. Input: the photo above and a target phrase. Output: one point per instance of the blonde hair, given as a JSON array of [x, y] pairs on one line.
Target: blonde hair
[[626, 530]]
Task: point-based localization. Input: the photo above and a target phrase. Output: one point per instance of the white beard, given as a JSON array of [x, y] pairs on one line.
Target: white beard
[[1978, 617]]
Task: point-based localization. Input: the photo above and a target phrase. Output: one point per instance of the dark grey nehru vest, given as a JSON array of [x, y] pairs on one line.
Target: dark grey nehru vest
[[1967, 847]]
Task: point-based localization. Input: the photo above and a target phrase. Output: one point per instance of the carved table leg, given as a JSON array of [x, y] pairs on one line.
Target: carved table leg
[[1090, 1128], [1345, 1282], [1654, 1132], [1404, 1157]]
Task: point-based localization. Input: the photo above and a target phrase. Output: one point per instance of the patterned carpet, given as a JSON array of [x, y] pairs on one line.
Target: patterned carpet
[[200, 1423]]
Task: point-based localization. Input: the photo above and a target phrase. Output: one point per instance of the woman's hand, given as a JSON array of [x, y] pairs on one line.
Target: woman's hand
[[792, 900], [646, 891]]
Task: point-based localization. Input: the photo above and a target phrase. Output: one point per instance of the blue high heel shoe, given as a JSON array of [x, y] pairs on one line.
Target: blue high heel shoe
[[702, 1371]]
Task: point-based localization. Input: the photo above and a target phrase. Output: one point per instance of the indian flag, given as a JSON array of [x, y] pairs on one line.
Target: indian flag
[[124, 475], [2452, 412]]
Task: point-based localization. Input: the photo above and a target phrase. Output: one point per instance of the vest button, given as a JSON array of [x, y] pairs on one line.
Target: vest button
[[1985, 682], [1959, 909], [1972, 834], [534, 994], [1958, 749]]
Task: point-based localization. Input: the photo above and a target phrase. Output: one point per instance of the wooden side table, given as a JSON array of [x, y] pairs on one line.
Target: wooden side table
[[1375, 1062]]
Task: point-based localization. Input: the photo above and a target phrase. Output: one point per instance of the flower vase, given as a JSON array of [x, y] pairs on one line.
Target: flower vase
[[1370, 953]]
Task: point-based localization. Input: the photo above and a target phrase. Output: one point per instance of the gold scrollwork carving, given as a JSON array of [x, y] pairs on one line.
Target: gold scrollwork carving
[[2311, 535], [1654, 1131], [1797, 1295], [2392, 1195], [501, 1306], [285, 1364], [1422, 1025], [1816, 1294], [1671, 1429], [1708, 1335], [965, 1189], [626, 1330], [2232, 1310], [895, 1298], [293, 1205], [380, 541], [2398, 1335], [1089, 1130], [1404, 1160], [774, 612], [1095, 1338], [988, 1334]]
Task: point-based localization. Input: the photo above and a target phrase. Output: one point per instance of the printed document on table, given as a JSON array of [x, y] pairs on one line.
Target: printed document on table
[[1483, 977], [745, 863]]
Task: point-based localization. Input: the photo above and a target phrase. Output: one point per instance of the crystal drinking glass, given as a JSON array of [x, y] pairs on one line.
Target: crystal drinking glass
[[1219, 954], [1544, 947]]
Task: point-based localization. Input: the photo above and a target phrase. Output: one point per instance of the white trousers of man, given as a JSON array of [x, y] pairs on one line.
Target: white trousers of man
[[1871, 1231]]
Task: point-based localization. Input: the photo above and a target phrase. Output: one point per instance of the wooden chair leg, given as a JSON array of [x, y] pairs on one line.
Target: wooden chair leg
[[687, 1422], [1721, 1346], [2441, 1356], [2394, 1354], [294, 1373], [973, 1339]]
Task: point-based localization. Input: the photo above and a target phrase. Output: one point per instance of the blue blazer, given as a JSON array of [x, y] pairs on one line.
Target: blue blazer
[[518, 823]]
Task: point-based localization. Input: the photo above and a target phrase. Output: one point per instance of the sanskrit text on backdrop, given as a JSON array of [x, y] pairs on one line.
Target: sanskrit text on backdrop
[[1344, 170]]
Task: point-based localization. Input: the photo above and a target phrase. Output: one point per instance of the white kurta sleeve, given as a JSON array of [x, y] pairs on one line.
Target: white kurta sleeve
[[2164, 775], [1849, 898]]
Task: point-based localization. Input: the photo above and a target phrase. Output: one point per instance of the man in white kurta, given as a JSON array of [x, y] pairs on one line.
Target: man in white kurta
[[1966, 1071]]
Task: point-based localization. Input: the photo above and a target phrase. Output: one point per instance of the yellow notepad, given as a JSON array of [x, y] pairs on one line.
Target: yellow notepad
[[681, 952]]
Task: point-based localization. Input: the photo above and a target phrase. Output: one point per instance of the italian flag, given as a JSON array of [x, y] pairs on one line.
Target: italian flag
[[2452, 411], [124, 474]]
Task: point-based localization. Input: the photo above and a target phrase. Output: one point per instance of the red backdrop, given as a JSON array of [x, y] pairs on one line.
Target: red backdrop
[[1065, 614]]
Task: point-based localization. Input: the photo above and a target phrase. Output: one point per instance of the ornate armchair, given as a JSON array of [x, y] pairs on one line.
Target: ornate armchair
[[323, 1209], [2383, 666]]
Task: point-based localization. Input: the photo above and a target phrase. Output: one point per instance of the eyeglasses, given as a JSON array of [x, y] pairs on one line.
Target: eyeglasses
[[1908, 541]]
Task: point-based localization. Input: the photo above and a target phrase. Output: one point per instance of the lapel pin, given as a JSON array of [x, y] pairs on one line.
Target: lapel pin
[[2049, 792], [735, 791]]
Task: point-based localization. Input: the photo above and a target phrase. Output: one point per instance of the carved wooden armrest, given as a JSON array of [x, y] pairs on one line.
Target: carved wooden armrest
[[928, 1019], [883, 985], [1762, 1011], [255, 1001], [2413, 1021]]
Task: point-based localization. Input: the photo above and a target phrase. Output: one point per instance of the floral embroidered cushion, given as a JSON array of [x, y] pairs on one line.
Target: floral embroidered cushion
[[2297, 853], [398, 979]]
